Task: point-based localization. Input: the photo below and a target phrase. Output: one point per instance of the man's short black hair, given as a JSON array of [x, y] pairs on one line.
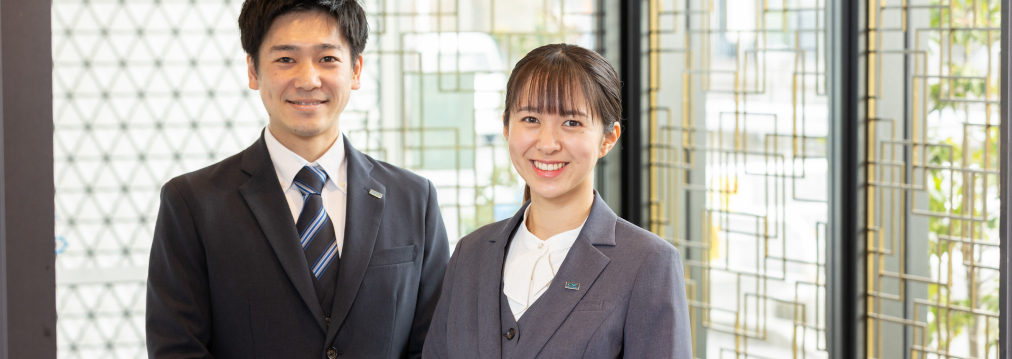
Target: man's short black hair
[[258, 15]]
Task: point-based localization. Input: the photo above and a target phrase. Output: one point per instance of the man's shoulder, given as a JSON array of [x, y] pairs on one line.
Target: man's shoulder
[[391, 175], [224, 173]]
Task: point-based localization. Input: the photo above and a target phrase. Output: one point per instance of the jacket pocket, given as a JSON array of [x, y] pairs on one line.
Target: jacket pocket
[[588, 306], [390, 256]]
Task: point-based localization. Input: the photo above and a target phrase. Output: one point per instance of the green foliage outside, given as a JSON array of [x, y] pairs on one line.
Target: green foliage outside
[[948, 187]]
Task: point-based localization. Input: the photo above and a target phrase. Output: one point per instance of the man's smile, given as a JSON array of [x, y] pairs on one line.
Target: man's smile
[[306, 103]]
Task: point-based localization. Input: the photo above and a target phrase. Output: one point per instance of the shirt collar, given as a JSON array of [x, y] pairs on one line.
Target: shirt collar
[[557, 242], [287, 163]]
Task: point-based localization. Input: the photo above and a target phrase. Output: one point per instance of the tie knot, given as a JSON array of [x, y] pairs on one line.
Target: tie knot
[[310, 180]]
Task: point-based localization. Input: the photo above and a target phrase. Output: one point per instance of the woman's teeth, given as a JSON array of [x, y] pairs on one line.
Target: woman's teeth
[[548, 167]]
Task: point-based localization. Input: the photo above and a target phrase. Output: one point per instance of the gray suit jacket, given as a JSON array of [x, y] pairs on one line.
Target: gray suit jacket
[[631, 299], [228, 279]]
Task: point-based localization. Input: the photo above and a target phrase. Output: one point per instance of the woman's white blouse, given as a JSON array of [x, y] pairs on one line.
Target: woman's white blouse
[[531, 265]]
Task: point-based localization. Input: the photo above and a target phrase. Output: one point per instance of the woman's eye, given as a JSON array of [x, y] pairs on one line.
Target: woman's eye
[[529, 119], [572, 123]]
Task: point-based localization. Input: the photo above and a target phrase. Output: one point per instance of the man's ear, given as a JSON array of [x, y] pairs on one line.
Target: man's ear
[[356, 79], [610, 139], [251, 71]]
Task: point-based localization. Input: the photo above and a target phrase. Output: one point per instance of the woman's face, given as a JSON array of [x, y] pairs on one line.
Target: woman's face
[[556, 153]]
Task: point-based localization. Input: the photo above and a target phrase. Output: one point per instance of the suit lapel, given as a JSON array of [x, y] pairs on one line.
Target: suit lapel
[[490, 289], [262, 193], [363, 213], [583, 265]]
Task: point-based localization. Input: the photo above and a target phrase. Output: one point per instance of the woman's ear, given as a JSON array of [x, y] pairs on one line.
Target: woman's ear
[[610, 139], [505, 128]]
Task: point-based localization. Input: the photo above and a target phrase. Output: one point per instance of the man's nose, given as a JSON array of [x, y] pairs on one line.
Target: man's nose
[[308, 77]]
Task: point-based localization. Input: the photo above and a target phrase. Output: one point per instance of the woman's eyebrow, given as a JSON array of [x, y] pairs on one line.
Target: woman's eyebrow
[[575, 113], [561, 113]]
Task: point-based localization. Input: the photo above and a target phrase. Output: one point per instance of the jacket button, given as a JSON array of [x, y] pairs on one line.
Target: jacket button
[[327, 319], [510, 334], [332, 353]]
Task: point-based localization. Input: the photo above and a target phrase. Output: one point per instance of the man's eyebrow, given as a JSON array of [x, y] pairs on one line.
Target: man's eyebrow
[[329, 46], [561, 113], [323, 46], [277, 48]]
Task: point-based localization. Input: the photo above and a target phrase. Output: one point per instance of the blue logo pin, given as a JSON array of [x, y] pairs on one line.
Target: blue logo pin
[[572, 286]]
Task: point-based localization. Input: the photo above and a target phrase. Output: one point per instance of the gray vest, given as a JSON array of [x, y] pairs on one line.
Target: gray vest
[[512, 335], [510, 329]]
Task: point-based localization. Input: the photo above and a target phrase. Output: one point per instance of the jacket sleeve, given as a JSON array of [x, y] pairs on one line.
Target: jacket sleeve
[[178, 321], [436, 341], [434, 261], [657, 324]]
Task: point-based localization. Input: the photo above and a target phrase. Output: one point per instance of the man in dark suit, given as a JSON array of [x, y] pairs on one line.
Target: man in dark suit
[[299, 246]]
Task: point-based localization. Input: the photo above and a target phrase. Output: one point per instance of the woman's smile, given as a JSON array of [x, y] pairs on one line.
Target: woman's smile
[[548, 169]]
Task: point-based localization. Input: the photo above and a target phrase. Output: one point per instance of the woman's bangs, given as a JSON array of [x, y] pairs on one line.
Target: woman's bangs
[[553, 88]]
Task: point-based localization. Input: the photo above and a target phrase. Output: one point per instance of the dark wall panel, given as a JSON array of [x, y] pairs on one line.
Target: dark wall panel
[[27, 279]]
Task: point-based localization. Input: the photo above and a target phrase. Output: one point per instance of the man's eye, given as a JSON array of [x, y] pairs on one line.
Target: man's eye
[[286, 60], [572, 123], [328, 59]]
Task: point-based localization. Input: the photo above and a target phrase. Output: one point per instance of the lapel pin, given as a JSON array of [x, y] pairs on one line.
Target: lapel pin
[[572, 286], [375, 193]]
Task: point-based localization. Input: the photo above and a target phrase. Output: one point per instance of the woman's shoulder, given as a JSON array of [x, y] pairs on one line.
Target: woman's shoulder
[[483, 234], [630, 237]]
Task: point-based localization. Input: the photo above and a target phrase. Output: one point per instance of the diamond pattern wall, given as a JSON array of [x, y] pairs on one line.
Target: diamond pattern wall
[[142, 91], [145, 90]]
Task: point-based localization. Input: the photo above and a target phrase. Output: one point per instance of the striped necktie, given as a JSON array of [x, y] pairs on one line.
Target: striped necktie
[[316, 233]]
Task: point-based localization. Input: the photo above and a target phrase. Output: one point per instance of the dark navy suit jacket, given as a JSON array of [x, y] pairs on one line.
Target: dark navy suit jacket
[[228, 279]]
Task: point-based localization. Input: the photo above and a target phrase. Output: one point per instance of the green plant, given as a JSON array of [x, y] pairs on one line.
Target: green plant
[[948, 183]]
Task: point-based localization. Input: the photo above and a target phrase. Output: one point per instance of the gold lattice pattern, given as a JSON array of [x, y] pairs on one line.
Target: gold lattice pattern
[[932, 178], [738, 121]]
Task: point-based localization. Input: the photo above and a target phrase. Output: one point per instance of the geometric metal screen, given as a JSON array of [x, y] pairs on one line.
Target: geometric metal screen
[[932, 120], [433, 88], [142, 91], [738, 122], [145, 90]]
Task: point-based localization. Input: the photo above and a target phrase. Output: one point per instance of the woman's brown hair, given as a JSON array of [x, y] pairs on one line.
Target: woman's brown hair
[[549, 78]]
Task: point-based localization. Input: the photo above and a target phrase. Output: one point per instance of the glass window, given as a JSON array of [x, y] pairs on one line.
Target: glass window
[[933, 162], [738, 121]]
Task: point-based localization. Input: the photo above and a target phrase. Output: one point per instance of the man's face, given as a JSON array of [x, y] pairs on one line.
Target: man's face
[[306, 75]]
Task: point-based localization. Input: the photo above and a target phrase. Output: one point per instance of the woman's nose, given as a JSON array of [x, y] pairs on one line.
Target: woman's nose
[[548, 140]]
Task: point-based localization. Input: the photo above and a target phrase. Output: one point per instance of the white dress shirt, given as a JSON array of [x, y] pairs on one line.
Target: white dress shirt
[[531, 264], [287, 164]]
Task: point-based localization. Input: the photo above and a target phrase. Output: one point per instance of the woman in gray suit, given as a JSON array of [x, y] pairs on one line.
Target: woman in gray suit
[[565, 277]]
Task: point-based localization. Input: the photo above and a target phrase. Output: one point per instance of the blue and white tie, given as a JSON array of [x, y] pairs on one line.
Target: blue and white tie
[[316, 234]]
